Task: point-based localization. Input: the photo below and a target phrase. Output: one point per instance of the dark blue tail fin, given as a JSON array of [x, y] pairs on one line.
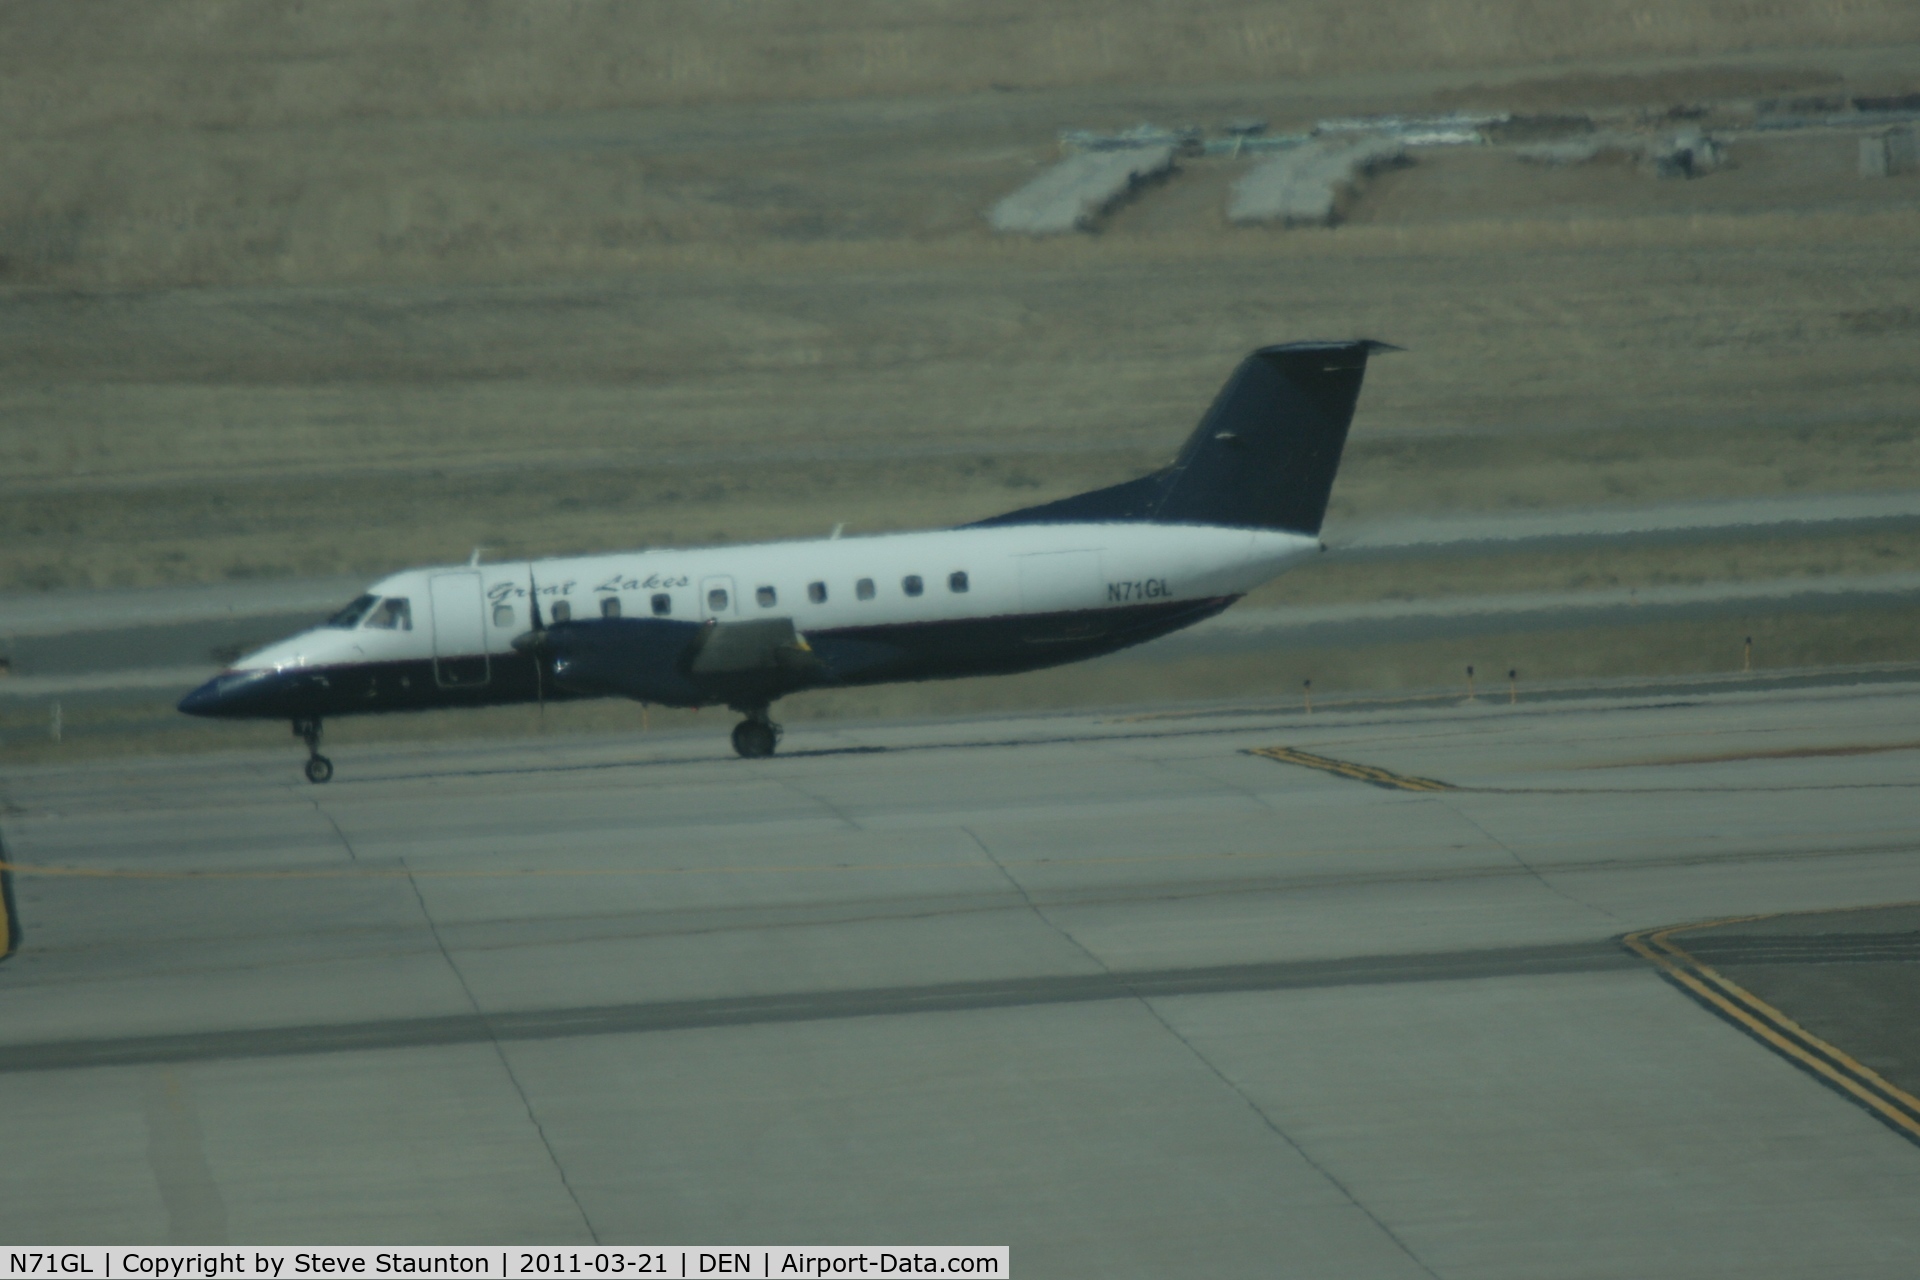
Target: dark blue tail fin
[[1263, 457]]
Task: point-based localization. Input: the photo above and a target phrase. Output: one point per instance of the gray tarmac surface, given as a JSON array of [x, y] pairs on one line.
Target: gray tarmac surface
[[1106, 988], [1386, 621]]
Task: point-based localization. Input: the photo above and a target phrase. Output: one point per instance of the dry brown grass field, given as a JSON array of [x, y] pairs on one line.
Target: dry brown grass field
[[232, 63], [301, 289], [186, 435]]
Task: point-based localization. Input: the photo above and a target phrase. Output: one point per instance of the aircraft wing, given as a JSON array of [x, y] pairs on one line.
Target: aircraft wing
[[763, 644], [679, 663]]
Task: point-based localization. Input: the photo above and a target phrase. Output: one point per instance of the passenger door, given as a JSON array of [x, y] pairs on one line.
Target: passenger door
[[459, 631]]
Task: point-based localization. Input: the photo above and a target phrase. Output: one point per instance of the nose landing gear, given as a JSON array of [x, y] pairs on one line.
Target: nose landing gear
[[756, 736], [319, 768]]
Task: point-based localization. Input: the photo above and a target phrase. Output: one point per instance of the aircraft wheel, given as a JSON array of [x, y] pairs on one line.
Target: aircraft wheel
[[319, 769], [753, 739]]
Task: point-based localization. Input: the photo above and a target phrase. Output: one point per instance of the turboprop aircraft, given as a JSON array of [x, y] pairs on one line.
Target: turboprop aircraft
[[741, 626]]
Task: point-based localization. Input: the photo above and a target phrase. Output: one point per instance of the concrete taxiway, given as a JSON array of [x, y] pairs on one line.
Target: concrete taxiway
[[1111, 989]]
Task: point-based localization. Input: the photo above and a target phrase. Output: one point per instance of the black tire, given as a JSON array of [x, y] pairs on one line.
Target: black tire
[[319, 769], [753, 740]]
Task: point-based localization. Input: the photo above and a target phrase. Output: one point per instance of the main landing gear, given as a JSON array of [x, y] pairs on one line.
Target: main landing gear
[[757, 735], [319, 768]]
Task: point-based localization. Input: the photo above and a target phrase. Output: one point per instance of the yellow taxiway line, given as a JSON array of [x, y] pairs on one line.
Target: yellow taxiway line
[[1348, 769], [9, 918], [1891, 1104]]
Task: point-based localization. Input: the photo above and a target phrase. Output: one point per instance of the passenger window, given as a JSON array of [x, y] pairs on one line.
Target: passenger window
[[503, 615], [717, 600], [912, 585], [864, 589], [765, 597], [609, 606], [817, 592], [663, 603], [562, 611], [957, 581], [393, 614]]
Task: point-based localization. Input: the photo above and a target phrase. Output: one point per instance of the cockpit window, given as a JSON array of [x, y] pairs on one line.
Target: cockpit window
[[394, 614], [349, 618]]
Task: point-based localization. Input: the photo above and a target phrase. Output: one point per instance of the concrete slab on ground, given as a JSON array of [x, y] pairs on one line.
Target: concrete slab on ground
[[1108, 989]]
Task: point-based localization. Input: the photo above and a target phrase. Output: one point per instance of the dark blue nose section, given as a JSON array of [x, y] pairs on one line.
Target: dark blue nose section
[[234, 693], [203, 701]]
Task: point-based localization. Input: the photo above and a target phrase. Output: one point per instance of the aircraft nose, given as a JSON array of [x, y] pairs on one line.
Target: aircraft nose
[[231, 693], [204, 701]]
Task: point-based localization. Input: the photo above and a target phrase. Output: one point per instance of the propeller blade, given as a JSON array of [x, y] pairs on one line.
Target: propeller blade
[[539, 644], [533, 642]]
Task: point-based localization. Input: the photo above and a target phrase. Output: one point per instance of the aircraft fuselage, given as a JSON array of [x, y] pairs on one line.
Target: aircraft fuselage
[[910, 606]]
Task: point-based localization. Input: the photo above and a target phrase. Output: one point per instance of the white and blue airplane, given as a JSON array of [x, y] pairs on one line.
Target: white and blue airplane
[[741, 626]]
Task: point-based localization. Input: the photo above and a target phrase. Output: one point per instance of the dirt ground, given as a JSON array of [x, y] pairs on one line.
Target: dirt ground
[[294, 290]]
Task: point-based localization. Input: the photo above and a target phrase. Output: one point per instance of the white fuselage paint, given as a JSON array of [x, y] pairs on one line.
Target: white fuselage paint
[[1010, 570]]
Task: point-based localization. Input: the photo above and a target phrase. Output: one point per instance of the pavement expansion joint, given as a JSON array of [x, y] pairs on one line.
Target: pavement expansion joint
[[1832, 1066]]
